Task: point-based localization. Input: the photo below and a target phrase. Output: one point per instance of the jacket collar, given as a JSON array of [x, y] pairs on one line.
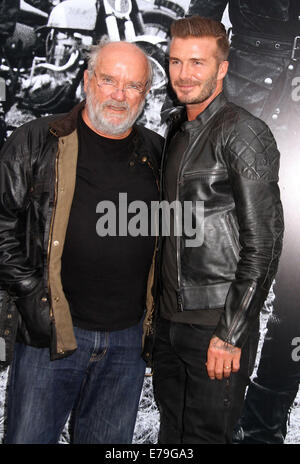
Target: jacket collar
[[66, 123], [179, 114], [210, 110]]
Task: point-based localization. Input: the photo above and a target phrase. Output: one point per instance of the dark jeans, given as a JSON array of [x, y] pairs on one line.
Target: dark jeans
[[101, 382], [193, 408]]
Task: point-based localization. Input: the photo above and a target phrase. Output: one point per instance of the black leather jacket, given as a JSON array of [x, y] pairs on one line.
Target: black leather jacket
[[231, 165], [37, 172]]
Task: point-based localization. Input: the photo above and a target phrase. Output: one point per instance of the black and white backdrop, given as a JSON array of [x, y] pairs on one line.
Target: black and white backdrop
[[42, 63]]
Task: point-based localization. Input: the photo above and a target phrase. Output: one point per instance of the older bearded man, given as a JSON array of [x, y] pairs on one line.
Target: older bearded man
[[78, 299]]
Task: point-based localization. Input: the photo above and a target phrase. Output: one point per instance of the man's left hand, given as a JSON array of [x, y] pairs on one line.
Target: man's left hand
[[222, 359]]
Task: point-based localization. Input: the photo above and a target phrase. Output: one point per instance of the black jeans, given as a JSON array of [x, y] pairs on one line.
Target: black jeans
[[193, 408]]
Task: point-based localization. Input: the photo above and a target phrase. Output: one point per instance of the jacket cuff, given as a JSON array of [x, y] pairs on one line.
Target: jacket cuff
[[243, 304]]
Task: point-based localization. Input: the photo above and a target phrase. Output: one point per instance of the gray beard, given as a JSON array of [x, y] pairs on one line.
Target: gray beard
[[102, 123]]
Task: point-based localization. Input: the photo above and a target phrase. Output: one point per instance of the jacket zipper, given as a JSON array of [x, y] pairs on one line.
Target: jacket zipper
[[179, 297], [244, 305], [51, 233], [205, 172]]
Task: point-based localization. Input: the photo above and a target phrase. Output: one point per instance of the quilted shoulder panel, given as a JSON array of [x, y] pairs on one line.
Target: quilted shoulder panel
[[251, 149]]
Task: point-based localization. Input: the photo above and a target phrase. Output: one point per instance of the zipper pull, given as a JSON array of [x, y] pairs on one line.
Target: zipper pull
[[179, 302]]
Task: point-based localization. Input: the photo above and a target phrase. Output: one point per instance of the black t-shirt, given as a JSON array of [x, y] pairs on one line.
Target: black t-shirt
[[104, 277]]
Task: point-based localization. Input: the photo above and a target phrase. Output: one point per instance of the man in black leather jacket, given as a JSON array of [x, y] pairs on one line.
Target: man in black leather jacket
[[211, 294], [264, 78], [75, 296]]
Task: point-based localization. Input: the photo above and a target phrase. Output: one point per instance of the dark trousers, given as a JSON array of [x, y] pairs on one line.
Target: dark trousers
[[193, 408]]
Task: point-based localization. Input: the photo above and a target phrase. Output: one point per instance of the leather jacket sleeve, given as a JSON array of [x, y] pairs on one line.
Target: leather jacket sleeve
[[17, 275], [253, 163]]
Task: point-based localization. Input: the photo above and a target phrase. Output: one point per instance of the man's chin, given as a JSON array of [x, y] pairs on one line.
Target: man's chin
[[192, 100], [113, 128], [187, 101], [185, 97]]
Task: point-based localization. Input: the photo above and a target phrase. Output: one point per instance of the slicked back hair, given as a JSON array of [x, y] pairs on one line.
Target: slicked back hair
[[198, 26]]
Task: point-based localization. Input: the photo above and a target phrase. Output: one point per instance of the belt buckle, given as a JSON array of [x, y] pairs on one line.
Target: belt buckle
[[296, 49]]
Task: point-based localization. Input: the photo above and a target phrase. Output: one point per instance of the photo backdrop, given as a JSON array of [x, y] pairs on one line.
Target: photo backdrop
[[43, 49]]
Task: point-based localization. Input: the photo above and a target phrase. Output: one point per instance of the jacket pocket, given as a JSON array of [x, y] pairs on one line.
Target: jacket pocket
[[34, 322]]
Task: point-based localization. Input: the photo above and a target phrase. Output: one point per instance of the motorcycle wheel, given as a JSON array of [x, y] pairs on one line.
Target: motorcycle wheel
[[158, 59], [157, 23]]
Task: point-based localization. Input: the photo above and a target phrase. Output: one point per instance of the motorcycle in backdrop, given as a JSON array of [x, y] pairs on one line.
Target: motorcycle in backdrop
[[18, 46], [17, 51], [55, 81]]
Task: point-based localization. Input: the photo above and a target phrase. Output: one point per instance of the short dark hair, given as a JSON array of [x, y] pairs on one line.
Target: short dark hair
[[198, 26]]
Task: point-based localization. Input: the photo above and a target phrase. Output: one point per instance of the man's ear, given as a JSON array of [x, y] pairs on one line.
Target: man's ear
[[223, 68]]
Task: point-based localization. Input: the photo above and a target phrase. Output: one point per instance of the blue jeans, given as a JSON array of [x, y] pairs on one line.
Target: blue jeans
[[100, 383]]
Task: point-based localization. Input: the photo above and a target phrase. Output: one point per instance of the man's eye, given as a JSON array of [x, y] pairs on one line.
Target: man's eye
[[174, 61], [136, 87], [107, 80]]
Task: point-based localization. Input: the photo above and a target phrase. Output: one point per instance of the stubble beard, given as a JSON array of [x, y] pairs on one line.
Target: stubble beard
[[103, 122], [207, 90]]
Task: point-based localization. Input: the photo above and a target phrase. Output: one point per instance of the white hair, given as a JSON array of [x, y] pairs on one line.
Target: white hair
[[105, 40]]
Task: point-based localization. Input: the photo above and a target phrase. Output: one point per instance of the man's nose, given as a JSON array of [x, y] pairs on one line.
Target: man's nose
[[184, 71], [119, 94]]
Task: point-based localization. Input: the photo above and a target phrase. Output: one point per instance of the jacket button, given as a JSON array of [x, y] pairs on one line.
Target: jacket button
[[9, 316], [56, 298], [44, 299], [56, 243], [268, 80], [131, 164], [6, 332]]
